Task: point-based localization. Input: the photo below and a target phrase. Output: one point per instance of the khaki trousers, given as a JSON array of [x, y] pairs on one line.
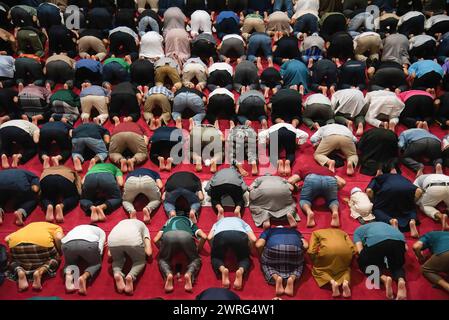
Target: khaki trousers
[[157, 100], [128, 141], [336, 142]]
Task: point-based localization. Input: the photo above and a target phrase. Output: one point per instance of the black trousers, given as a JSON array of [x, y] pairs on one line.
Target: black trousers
[[15, 138], [227, 26], [82, 74], [227, 189], [48, 138], [61, 39], [413, 26], [28, 71], [392, 250], [425, 51], [417, 108], [430, 80], [389, 77], [235, 241], [219, 78], [220, 105], [124, 102], [142, 72], [286, 140], [56, 189], [426, 147], [59, 72], [122, 43], [204, 50], [19, 199], [162, 149]]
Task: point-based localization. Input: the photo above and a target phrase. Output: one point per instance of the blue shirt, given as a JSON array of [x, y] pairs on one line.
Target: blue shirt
[[141, 172], [422, 67], [167, 134], [231, 224], [92, 65], [90, 130], [375, 232], [410, 135], [94, 91], [436, 241], [227, 14], [278, 236]]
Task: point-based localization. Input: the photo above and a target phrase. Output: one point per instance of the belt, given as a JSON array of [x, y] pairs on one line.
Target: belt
[[435, 184]]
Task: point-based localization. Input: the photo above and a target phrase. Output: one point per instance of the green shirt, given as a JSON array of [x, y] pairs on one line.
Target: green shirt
[[254, 15], [120, 61], [180, 223], [68, 96], [105, 168]]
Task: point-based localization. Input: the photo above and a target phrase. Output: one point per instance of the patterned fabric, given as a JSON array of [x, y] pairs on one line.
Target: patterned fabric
[[64, 110], [161, 90], [240, 137], [30, 257], [283, 260]]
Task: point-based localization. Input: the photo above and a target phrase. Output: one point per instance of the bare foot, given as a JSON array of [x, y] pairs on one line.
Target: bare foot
[[402, 290], [22, 281], [124, 165], [331, 165], [77, 164], [413, 230], [335, 289], [291, 220], [92, 162], [238, 283], [281, 169], [101, 215], [93, 214], [19, 218], [82, 285], [15, 160], [394, 223], [129, 285], [49, 216], [119, 282], [359, 131], [279, 286], [289, 288], [5, 163], [130, 164], [266, 224], [213, 166], [425, 126], [350, 168], [225, 278], [444, 224], [310, 219], [169, 284], [335, 222], [188, 282], [146, 215], [220, 213], [169, 164], [45, 162], [55, 161], [178, 123], [59, 216], [191, 124], [254, 169], [346, 289], [192, 217], [161, 163], [69, 285], [198, 166], [439, 168], [37, 283], [287, 168], [350, 125], [389, 288]]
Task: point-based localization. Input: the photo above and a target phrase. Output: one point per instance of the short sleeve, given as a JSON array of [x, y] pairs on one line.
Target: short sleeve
[[246, 227], [145, 232], [425, 239], [266, 234], [358, 235], [54, 230], [194, 228], [104, 131], [118, 172]]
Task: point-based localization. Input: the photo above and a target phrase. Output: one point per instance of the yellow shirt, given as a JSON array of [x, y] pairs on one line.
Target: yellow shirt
[[38, 233]]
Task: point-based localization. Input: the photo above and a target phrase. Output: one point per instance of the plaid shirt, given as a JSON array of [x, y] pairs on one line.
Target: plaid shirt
[[161, 90]]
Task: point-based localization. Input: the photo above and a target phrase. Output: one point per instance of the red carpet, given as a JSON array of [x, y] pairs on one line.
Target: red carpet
[[150, 285]]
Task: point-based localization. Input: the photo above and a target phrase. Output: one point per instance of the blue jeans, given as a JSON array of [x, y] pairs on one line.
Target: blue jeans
[[286, 5], [306, 23], [243, 119], [259, 41], [172, 197], [95, 145], [316, 186], [360, 20], [99, 188]]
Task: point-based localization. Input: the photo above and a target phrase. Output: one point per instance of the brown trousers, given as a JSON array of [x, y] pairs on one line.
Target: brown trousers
[[436, 265], [336, 142], [128, 141], [157, 100], [163, 72], [87, 43]]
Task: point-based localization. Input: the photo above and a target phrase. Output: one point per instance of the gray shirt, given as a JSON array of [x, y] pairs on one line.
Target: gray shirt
[[226, 176], [7, 67], [251, 94], [395, 48]]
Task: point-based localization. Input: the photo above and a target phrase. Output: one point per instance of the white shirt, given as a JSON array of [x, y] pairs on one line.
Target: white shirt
[[221, 66], [409, 15], [301, 135], [25, 125], [332, 129], [125, 30], [151, 45], [88, 233], [7, 66], [317, 98], [366, 34], [304, 7], [222, 91], [233, 36], [129, 232], [435, 19], [424, 180], [385, 102], [348, 101]]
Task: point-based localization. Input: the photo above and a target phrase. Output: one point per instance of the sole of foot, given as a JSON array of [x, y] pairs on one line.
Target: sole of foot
[[169, 284], [119, 283]]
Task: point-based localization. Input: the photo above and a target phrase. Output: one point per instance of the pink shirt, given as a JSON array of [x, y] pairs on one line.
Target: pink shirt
[[404, 96]]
